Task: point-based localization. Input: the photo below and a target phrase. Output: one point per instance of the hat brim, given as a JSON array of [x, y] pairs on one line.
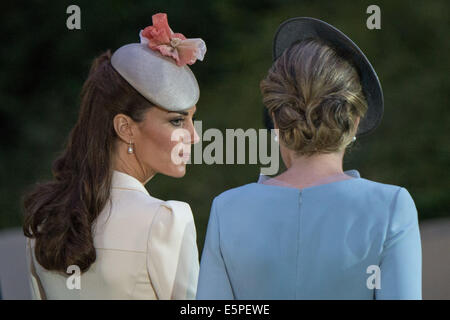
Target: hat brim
[[301, 28]]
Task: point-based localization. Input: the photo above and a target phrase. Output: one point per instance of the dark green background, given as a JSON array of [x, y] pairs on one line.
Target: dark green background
[[43, 66]]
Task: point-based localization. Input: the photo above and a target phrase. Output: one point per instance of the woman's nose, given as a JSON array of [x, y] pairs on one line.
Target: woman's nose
[[196, 138]]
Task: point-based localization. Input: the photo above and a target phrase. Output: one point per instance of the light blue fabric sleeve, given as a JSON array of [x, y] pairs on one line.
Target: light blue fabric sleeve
[[213, 282], [401, 259]]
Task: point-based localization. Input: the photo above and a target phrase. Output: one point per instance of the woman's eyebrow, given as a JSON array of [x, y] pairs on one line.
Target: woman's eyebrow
[[185, 113]]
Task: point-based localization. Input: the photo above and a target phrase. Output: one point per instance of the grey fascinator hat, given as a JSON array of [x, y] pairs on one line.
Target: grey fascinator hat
[[297, 29], [157, 66]]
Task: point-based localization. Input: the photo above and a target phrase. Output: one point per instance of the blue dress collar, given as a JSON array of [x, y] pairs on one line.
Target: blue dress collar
[[353, 173]]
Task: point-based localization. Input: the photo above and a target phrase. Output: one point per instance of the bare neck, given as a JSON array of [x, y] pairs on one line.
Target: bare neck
[[130, 164], [303, 171]]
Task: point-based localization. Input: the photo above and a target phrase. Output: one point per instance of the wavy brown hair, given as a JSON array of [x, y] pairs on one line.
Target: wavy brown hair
[[60, 213], [315, 96]]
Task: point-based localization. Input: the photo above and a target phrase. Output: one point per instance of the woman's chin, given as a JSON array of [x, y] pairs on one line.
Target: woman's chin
[[178, 171]]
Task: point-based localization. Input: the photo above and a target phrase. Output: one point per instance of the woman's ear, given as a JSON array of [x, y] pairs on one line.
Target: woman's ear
[[273, 120], [357, 124], [122, 126]]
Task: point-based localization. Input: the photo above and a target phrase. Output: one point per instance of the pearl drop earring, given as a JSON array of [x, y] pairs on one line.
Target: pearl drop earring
[[130, 148], [354, 139]]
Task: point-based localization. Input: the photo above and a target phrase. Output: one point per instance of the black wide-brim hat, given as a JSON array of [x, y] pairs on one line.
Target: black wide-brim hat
[[297, 29]]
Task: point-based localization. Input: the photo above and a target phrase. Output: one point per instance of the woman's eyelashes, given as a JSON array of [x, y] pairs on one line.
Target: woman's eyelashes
[[178, 122]]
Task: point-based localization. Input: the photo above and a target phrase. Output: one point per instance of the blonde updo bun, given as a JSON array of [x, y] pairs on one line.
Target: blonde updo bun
[[315, 97]]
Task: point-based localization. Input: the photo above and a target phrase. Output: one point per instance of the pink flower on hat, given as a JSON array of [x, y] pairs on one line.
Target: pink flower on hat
[[160, 37]]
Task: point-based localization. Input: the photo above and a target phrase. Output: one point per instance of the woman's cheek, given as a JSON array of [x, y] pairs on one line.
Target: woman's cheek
[[175, 149]]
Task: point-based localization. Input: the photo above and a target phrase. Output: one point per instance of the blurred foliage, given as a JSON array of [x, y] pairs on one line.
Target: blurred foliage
[[44, 65]]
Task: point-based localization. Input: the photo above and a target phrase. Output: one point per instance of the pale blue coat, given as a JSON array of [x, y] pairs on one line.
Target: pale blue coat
[[349, 239]]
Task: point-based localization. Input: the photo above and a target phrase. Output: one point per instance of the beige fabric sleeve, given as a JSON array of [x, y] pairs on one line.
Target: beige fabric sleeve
[[37, 292], [172, 253]]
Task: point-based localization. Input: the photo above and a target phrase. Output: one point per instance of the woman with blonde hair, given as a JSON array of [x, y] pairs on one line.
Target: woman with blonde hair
[[95, 232], [314, 231]]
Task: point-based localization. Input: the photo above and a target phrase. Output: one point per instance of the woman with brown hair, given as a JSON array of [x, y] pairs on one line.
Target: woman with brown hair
[[314, 231], [94, 231]]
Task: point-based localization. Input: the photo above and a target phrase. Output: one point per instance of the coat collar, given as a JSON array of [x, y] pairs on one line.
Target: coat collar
[[122, 180], [353, 173]]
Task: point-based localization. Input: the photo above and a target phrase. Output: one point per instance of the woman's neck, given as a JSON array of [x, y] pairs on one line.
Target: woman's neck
[[129, 164], [304, 171]]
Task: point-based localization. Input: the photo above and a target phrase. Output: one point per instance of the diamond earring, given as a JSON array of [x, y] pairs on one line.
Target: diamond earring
[[130, 148]]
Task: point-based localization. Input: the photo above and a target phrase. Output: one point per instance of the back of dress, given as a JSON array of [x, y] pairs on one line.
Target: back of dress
[[350, 239]]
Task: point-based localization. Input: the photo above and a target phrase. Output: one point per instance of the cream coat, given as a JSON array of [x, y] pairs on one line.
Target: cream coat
[[146, 249]]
